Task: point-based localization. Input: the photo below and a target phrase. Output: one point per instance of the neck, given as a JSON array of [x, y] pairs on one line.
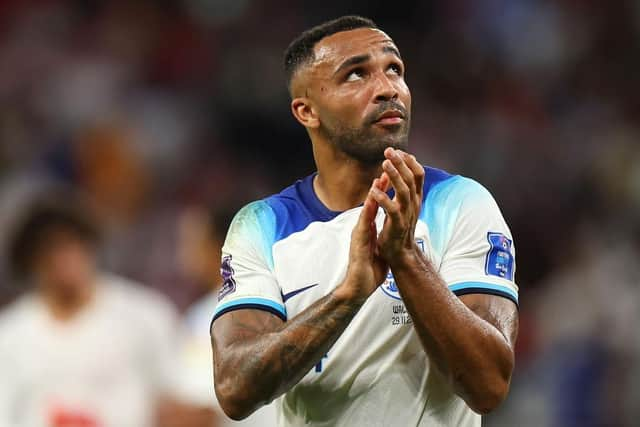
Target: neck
[[342, 182], [65, 304]]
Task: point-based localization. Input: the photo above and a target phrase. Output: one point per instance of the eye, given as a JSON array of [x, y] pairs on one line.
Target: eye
[[396, 69], [355, 74]]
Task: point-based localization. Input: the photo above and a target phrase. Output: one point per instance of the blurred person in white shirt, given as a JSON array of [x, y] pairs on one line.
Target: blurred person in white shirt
[[82, 348], [201, 234]]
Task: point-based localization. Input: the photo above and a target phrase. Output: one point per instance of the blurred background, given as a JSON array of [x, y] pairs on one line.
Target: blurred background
[[154, 110]]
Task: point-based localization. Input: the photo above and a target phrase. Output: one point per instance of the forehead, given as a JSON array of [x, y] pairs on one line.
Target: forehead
[[337, 47]]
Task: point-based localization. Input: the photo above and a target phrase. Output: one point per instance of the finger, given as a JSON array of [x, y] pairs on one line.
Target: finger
[[384, 182], [418, 173], [369, 211], [391, 207], [398, 159], [416, 168], [361, 233], [403, 195]]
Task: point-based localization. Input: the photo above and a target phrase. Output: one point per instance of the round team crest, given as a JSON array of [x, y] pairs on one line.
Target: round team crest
[[390, 288]]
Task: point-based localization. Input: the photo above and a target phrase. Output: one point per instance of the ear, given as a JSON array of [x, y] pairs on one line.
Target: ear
[[303, 110]]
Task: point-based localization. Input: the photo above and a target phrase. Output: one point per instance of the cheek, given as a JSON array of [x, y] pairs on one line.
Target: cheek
[[350, 107], [405, 94], [341, 105]]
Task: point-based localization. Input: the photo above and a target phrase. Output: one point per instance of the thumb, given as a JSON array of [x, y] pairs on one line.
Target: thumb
[[367, 214]]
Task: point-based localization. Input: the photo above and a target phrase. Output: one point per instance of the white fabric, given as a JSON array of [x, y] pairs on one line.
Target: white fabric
[[377, 373], [465, 257], [106, 365]]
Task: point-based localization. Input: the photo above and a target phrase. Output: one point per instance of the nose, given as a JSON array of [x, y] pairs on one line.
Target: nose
[[385, 89]]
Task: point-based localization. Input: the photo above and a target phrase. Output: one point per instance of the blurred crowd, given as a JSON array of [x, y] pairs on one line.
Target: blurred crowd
[[159, 112]]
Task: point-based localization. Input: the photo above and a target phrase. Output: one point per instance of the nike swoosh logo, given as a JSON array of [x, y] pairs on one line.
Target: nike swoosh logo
[[285, 297]]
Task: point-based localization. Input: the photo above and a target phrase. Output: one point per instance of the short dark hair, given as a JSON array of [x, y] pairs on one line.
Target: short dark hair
[[43, 217], [300, 51]]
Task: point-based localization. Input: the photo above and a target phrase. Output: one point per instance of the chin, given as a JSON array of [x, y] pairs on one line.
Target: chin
[[368, 147], [398, 143], [374, 153]]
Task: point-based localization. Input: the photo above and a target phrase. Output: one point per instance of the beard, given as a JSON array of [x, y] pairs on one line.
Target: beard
[[367, 143]]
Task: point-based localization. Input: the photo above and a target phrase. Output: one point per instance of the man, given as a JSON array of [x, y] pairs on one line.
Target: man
[[376, 292], [81, 348]]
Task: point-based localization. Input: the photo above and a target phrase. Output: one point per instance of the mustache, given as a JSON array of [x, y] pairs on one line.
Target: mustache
[[384, 107]]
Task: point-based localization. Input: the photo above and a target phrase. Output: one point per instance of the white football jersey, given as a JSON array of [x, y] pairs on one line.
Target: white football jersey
[[104, 367], [285, 252]]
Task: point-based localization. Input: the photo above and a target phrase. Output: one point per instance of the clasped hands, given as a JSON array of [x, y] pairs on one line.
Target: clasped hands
[[372, 254]]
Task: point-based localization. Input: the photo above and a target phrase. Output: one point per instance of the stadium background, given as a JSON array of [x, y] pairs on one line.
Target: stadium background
[[151, 107]]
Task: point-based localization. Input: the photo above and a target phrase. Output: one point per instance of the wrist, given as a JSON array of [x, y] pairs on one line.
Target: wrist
[[406, 258], [349, 293]]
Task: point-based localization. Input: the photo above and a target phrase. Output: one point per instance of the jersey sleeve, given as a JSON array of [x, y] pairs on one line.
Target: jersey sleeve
[[247, 264], [480, 255]]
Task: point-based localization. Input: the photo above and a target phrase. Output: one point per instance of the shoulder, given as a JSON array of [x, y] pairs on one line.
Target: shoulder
[[267, 212], [253, 221], [450, 189], [253, 213], [277, 216], [451, 202]]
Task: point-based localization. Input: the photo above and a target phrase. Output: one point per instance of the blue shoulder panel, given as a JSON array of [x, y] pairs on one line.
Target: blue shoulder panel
[[289, 211], [439, 220], [255, 223], [442, 199], [297, 206], [433, 177]]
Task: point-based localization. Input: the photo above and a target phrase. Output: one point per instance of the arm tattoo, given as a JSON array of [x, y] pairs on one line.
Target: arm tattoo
[[264, 357]]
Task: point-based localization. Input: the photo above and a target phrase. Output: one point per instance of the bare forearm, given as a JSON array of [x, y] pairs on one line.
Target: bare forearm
[[256, 370], [475, 356]]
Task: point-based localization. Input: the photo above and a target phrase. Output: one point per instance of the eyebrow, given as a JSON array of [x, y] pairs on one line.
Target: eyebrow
[[359, 59], [392, 50], [354, 60]]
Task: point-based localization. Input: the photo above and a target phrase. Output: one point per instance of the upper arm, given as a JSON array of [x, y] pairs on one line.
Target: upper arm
[[500, 312], [478, 263], [250, 300], [242, 326], [479, 257]]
